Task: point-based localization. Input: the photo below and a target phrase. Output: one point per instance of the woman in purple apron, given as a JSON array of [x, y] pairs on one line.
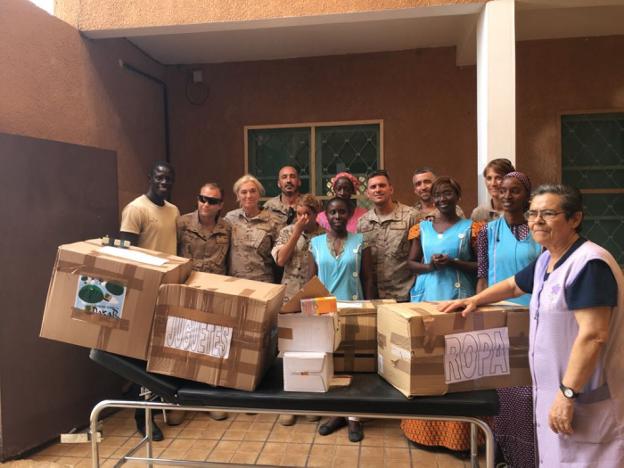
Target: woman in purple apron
[[576, 341]]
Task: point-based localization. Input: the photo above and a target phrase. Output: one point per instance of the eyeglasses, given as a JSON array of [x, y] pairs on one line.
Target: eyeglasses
[[209, 200], [546, 215]]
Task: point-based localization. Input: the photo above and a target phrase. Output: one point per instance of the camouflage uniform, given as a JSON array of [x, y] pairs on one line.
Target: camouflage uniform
[[424, 215], [279, 209], [207, 249], [387, 237], [296, 270], [250, 245]]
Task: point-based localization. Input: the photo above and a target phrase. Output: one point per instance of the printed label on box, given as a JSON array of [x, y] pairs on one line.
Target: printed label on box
[[476, 354], [380, 363], [399, 352], [97, 296], [198, 337]]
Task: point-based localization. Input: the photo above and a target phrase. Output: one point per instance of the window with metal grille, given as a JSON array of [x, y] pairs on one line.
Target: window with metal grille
[[318, 151], [592, 148]]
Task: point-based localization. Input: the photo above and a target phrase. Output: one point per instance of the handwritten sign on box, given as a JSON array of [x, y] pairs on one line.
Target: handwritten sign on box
[[476, 354], [197, 337]]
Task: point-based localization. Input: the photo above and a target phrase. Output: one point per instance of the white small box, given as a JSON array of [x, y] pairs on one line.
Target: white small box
[[307, 371], [314, 333]]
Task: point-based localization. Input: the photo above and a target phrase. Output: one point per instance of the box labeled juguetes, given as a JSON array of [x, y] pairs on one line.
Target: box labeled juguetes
[[104, 297], [216, 329], [422, 351]]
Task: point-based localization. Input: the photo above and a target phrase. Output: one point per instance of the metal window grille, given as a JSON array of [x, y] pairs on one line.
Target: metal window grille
[[318, 151], [593, 160]]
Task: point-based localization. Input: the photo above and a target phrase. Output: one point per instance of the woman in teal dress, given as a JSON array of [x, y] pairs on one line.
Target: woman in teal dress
[[442, 252], [443, 256], [343, 263]]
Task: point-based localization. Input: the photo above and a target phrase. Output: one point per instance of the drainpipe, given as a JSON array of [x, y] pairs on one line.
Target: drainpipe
[[160, 82]]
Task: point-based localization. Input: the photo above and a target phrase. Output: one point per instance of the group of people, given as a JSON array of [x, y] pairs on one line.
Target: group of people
[[522, 246]]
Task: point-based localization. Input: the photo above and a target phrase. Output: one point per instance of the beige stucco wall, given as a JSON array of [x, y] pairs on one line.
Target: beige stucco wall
[[89, 15], [56, 85], [428, 106]]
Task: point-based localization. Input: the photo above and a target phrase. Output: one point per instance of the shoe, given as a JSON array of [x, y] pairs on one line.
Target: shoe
[[313, 418], [287, 419], [157, 434], [332, 425], [356, 431], [175, 417], [218, 415]]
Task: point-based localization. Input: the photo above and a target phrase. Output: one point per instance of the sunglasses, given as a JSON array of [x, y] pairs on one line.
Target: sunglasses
[[209, 200]]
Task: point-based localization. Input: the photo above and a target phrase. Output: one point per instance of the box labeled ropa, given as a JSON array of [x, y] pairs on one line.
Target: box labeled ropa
[[104, 297], [216, 329], [422, 351], [307, 371]]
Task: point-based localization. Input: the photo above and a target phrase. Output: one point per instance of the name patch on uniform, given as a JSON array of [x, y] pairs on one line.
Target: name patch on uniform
[[198, 337], [476, 354]]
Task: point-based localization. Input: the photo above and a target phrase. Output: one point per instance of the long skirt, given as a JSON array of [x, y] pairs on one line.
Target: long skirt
[[513, 427], [449, 434]]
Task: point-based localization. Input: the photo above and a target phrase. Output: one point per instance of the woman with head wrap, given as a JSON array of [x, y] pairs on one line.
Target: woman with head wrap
[[345, 186], [505, 246]]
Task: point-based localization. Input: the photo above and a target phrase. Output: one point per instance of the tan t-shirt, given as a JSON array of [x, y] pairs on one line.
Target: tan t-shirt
[[155, 225]]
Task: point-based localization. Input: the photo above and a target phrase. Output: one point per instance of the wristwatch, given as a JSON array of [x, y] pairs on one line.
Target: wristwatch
[[568, 392]]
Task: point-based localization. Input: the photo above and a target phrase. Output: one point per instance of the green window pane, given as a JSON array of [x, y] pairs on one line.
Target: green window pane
[[604, 222], [271, 149], [593, 150], [593, 158], [351, 148]]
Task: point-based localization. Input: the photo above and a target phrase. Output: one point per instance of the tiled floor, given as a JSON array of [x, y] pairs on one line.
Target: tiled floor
[[255, 439]]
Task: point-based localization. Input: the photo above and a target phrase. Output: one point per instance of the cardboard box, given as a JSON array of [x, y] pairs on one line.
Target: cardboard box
[[319, 305], [312, 333], [216, 329], [104, 297], [300, 332], [358, 326], [422, 351], [307, 372]]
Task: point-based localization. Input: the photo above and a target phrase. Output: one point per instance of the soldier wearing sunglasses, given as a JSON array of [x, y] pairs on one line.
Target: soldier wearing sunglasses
[[202, 235]]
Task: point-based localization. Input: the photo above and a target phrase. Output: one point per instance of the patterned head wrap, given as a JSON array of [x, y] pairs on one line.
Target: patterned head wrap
[[522, 178], [354, 180]]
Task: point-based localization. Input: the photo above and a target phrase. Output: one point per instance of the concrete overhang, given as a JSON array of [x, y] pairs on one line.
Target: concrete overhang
[[449, 25]]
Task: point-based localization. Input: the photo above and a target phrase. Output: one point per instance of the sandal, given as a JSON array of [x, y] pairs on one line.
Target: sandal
[[356, 431], [332, 425]]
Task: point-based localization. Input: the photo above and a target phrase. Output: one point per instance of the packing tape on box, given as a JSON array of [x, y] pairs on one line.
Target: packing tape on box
[[340, 381], [478, 321], [88, 268], [99, 319], [350, 329], [381, 340]]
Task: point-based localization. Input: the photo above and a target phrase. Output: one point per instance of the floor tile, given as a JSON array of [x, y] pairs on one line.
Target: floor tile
[[251, 447], [269, 459], [233, 435], [248, 458], [372, 441], [220, 456]]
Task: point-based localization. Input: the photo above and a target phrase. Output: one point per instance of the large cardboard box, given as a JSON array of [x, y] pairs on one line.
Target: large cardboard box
[[307, 372], [422, 351], [103, 297], [216, 329], [358, 326]]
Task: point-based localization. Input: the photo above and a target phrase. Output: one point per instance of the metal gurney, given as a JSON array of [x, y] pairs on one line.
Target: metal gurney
[[368, 396]]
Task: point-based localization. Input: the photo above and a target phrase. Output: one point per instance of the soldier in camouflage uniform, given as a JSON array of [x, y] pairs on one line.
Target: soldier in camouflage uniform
[[385, 228], [254, 231], [283, 205], [423, 180], [202, 236], [291, 250]]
